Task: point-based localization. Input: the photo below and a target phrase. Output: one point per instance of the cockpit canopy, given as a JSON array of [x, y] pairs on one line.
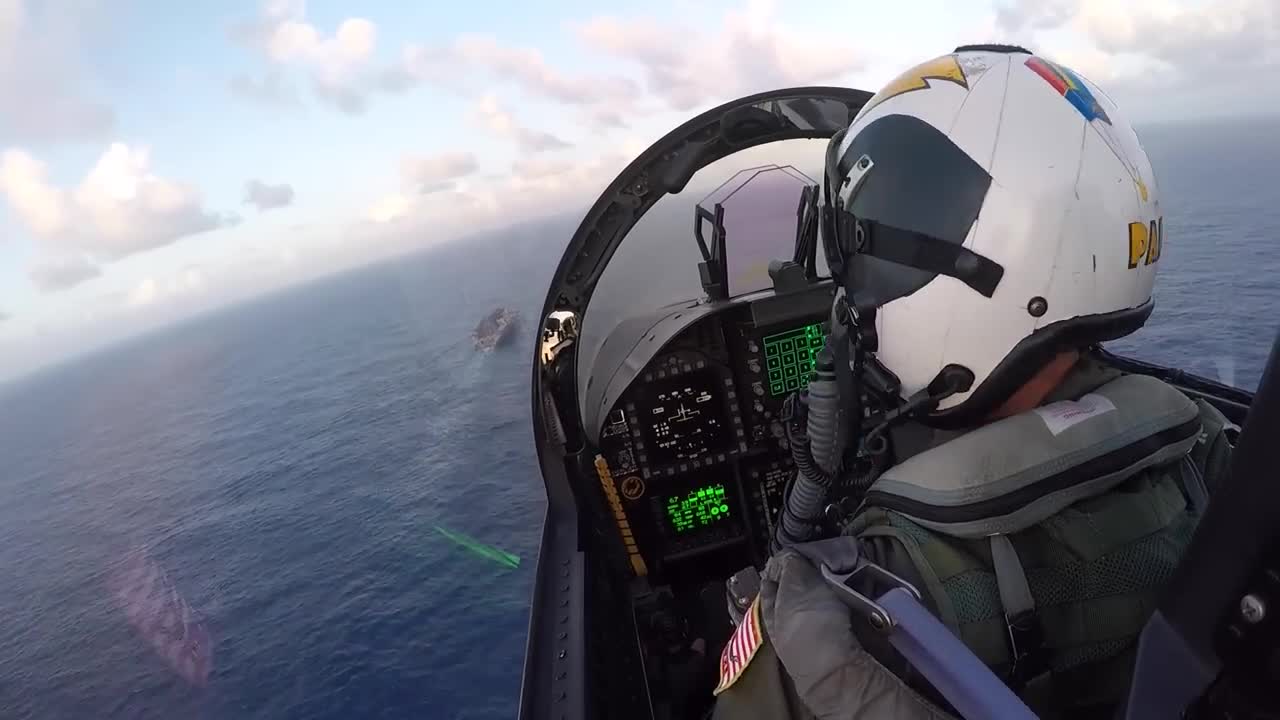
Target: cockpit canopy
[[753, 160], [709, 245]]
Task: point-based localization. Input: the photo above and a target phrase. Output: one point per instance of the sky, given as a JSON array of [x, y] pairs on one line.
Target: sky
[[158, 159]]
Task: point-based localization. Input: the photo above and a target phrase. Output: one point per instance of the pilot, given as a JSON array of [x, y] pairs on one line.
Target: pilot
[[992, 216]]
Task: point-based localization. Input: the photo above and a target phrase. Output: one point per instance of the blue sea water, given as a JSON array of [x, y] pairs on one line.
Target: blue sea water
[[285, 462], [1218, 292]]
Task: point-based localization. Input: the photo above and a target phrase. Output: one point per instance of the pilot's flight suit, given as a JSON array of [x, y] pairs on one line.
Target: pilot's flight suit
[[806, 661], [827, 674]]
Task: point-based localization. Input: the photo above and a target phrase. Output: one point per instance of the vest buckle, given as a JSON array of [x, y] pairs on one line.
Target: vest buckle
[[1026, 648]]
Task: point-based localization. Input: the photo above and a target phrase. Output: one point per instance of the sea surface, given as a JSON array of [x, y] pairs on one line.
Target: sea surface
[[285, 463]]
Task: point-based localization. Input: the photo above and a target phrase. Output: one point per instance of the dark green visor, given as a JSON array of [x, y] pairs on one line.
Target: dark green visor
[[900, 202]]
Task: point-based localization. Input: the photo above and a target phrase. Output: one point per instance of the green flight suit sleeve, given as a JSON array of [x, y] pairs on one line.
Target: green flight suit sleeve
[[762, 691]]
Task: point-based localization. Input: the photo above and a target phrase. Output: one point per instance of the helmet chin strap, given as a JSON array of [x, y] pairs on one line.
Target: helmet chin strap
[[949, 381]]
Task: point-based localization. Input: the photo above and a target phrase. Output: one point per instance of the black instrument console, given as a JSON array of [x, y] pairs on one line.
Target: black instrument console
[[696, 446]]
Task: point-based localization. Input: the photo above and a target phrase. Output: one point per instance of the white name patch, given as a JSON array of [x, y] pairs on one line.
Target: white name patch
[[1061, 415]]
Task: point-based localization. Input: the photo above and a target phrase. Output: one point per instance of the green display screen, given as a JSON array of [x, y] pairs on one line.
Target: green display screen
[[789, 357], [698, 508]]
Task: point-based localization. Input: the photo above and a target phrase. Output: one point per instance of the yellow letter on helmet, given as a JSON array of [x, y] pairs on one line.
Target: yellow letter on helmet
[[1137, 243]]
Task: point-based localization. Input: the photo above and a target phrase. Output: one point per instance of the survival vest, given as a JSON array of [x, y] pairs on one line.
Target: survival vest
[[1042, 540]]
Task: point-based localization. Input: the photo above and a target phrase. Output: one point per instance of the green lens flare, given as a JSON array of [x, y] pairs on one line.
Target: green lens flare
[[475, 547]]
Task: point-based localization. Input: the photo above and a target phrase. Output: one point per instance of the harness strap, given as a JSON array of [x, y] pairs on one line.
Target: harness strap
[[1191, 478], [1026, 635]]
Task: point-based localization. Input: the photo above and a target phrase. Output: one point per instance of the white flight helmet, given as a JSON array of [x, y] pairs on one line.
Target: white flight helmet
[[987, 210]]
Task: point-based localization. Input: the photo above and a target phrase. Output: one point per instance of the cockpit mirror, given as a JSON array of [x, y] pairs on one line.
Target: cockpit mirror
[[559, 330]]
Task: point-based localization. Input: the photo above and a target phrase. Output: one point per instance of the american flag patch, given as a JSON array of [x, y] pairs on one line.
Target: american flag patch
[[741, 648]]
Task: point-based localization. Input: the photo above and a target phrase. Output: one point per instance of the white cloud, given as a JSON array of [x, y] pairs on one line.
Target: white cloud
[[1017, 15], [1237, 37], [143, 293], [300, 41], [1162, 43], [42, 91], [527, 68], [470, 59], [1159, 53], [419, 64], [496, 119], [752, 52], [337, 63], [188, 281], [60, 273], [432, 173], [422, 175], [1184, 35], [605, 118], [118, 209], [533, 168], [534, 187], [344, 74], [390, 208], [267, 197]]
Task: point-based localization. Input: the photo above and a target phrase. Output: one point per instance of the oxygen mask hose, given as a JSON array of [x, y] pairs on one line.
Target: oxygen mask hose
[[812, 423], [811, 419], [822, 422]]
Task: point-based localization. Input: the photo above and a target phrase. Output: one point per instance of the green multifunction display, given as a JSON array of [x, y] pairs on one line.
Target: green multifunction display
[[789, 357], [698, 508]]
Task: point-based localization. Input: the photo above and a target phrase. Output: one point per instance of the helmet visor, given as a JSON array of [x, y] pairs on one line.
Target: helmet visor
[[901, 199]]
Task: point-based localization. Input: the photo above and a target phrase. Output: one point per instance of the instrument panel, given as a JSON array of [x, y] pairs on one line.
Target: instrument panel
[[684, 417], [696, 445]]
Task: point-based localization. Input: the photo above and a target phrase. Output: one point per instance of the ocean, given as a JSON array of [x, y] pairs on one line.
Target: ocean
[[284, 463]]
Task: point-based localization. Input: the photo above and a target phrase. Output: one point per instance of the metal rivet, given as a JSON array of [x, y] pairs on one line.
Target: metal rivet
[[563, 654], [1038, 306], [1252, 609]]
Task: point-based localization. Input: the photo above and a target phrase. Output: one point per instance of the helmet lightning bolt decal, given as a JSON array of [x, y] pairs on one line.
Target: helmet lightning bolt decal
[[946, 69]]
